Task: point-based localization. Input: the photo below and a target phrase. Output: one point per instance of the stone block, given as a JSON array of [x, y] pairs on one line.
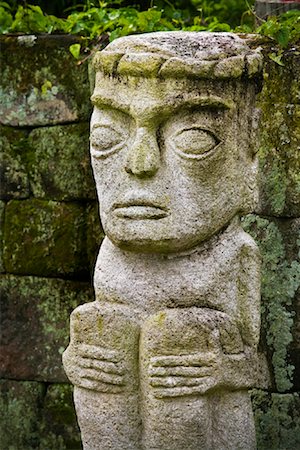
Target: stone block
[[41, 83], [2, 212], [36, 416], [14, 181], [277, 420], [45, 238], [59, 425], [60, 163], [279, 154], [35, 325], [20, 405], [95, 234]]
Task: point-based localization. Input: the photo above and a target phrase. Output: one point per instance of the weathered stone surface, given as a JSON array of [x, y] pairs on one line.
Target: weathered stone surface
[[164, 357], [34, 325], [59, 163], [95, 234], [45, 238], [20, 404], [2, 212], [39, 81], [13, 174], [280, 136], [277, 420]]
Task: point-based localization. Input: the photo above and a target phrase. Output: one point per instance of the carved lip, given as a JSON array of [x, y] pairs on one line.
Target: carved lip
[[139, 209]]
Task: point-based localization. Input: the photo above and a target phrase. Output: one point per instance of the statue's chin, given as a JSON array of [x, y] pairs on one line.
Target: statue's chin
[[152, 244]]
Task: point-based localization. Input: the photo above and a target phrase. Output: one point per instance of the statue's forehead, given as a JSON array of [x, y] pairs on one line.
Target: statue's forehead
[[156, 96]]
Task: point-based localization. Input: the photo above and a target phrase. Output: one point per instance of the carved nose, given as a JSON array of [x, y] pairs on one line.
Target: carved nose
[[143, 157]]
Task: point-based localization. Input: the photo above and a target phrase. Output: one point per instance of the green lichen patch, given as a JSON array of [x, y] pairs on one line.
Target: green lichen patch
[[95, 234], [20, 404], [280, 135], [280, 281], [35, 325], [277, 420], [45, 238], [59, 163], [2, 212], [14, 181], [41, 83], [59, 419]]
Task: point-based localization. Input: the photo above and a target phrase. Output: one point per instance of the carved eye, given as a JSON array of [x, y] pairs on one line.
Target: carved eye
[[195, 142], [105, 140]]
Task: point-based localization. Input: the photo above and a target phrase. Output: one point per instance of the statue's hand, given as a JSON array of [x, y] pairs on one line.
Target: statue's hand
[[94, 368], [175, 376]]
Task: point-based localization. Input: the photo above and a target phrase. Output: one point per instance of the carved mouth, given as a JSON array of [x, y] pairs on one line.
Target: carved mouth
[[139, 210]]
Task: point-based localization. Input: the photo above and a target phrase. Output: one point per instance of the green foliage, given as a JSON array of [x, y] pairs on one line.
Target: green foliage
[[284, 29], [93, 19], [280, 281]]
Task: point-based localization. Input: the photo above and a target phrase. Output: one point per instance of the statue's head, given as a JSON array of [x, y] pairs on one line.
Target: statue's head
[[172, 139]]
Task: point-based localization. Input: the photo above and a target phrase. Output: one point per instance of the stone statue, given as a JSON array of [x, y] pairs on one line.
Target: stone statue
[[164, 357]]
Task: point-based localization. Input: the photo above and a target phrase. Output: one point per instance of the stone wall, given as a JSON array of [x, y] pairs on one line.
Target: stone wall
[[50, 235]]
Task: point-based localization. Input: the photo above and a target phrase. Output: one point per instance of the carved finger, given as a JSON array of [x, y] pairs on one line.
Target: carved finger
[[182, 391], [104, 366], [175, 382], [96, 375], [93, 385], [196, 359], [184, 371], [100, 353]]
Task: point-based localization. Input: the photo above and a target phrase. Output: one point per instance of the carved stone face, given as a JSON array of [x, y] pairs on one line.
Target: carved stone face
[[170, 161]]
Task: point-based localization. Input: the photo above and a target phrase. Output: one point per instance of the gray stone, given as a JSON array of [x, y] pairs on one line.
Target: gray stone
[[60, 163], [39, 81], [164, 357], [34, 325], [45, 238]]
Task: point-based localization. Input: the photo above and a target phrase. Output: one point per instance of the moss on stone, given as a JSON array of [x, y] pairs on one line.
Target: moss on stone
[[277, 420], [280, 134], [34, 416], [20, 404], [41, 84], [280, 281], [59, 163], [59, 429], [2, 212], [14, 181], [35, 325], [45, 238]]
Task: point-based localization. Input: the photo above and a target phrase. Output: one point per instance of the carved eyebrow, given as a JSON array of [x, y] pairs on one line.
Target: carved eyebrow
[[211, 101]]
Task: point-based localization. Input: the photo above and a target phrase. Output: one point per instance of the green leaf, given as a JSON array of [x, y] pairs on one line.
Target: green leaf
[[75, 50], [283, 36], [277, 58]]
